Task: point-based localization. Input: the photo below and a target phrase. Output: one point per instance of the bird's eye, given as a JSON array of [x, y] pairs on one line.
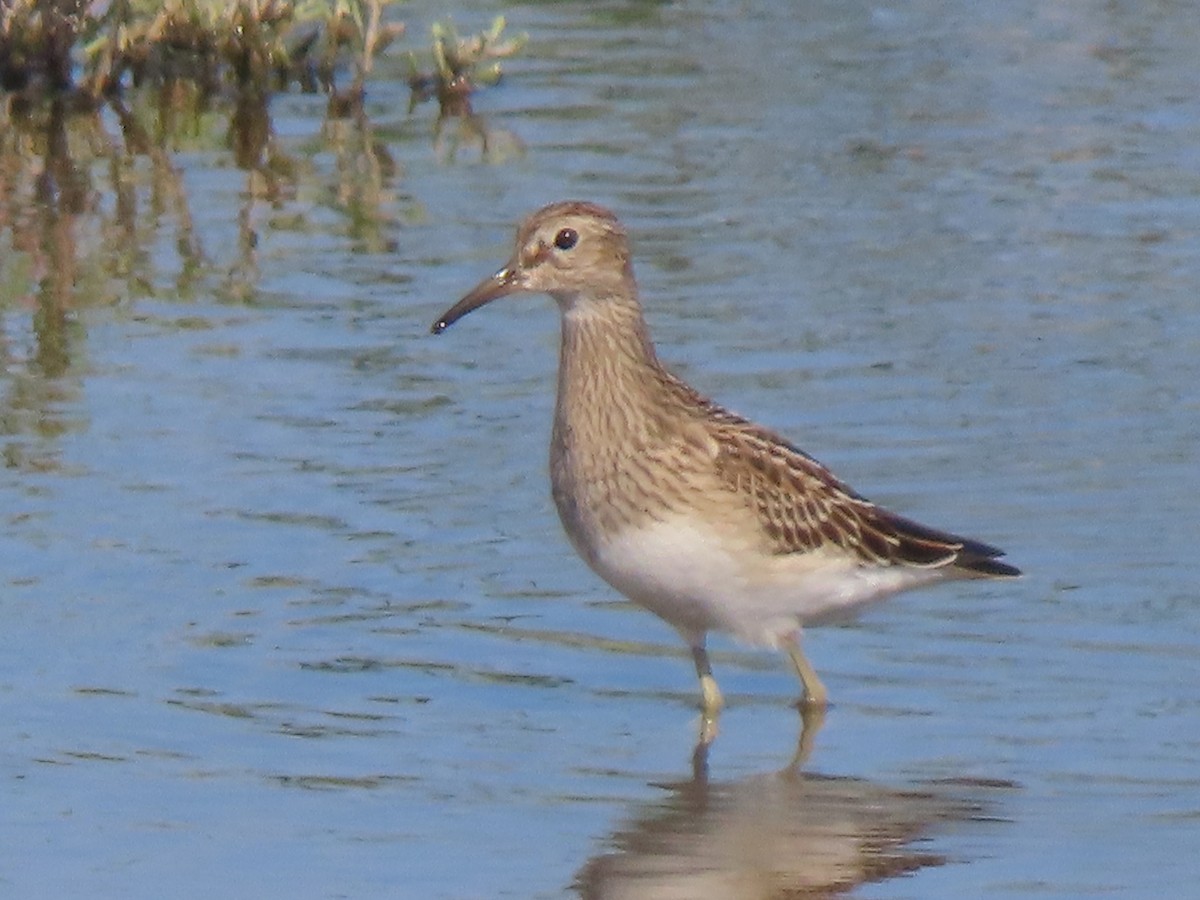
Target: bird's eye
[[566, 239]]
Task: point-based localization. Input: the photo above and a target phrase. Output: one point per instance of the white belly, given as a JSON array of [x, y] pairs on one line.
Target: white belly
[[700, 578]]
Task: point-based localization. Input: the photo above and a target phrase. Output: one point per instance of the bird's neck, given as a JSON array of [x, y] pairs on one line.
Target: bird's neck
[[614, 406], [608, 375]]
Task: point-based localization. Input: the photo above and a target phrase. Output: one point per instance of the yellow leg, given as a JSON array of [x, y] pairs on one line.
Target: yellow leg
[[711, 700], [814, 691]]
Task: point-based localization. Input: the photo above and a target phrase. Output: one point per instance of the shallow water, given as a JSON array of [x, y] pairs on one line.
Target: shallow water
[[287, 611]]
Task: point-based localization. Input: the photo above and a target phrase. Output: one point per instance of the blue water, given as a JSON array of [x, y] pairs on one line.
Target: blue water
[[286, 608]]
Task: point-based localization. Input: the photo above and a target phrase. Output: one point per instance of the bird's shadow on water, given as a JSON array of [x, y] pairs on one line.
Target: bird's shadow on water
[[781, 833]]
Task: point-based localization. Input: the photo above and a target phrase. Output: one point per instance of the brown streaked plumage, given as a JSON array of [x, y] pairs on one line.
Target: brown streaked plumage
[[702, 517]]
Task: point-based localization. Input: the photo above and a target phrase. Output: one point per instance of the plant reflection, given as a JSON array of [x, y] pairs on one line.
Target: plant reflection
[[44, 194], [460, 66], [95, 211], [94, 208]]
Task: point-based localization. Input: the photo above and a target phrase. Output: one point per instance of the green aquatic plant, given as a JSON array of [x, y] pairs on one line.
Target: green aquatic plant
[[94, 50], [460, 65], [261, 45], [101, 99]]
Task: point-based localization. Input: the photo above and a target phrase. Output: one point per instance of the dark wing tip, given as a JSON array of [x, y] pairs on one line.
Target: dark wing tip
[[985, 564], [922, 545]]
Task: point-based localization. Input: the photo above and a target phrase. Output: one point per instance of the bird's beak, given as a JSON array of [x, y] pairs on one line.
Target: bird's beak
[[507, 281]]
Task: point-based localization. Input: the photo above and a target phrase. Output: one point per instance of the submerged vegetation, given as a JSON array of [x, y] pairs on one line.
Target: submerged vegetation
[[459, 66], [93, 50], [98, 100]]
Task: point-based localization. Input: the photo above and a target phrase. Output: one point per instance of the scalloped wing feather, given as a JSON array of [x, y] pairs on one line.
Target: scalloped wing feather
[[802, 507]]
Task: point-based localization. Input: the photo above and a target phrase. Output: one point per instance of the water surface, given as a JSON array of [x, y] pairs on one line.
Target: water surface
[[287, 611]]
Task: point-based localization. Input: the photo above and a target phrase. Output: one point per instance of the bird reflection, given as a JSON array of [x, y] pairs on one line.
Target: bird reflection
[[776, 835], [811, 720]]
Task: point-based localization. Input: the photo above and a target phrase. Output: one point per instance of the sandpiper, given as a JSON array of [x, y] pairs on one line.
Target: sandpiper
[[700, 516]]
